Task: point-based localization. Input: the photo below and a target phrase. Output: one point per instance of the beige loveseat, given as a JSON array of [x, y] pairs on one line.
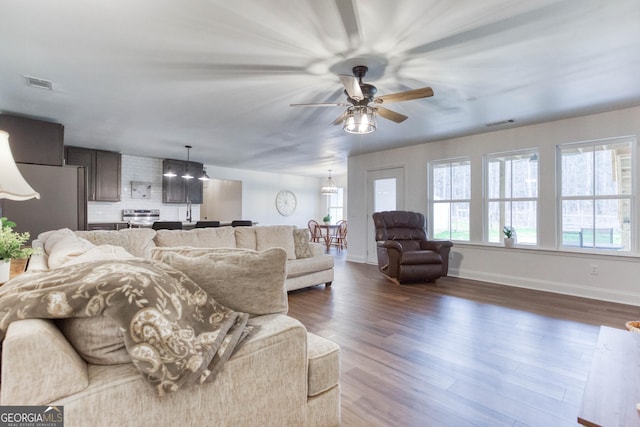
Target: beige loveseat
[[280, 375]]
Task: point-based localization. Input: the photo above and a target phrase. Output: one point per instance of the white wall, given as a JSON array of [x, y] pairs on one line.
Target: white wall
[[259, 191], [541, 268]]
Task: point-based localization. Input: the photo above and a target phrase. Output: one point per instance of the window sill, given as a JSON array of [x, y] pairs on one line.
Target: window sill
[[578, 253]]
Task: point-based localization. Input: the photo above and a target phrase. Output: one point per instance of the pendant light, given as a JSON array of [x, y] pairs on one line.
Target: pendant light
[[13, 186], [187, 174], [329, 187], [204, 176]]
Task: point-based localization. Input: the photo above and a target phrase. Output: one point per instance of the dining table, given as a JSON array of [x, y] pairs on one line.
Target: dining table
[[327, 232]]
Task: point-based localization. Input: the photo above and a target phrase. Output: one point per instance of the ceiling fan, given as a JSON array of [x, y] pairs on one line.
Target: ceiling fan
[[364, 106]]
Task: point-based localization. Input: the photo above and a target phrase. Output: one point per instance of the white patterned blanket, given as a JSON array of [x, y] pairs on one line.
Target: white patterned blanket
[[175, 333]]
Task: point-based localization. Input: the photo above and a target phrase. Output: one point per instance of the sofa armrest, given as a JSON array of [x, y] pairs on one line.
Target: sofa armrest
[[390, 244], [39, 365], [435, 245], [38, 261]]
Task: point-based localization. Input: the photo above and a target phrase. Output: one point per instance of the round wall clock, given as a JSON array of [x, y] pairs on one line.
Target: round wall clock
[[286, 202]]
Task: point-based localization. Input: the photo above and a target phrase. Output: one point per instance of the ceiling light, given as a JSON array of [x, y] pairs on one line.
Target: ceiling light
[[329, 187], [360, 119], [13, 186], [187, 174], [169, 173]]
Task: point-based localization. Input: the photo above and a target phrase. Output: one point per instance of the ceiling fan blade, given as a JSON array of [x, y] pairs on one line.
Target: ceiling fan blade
[[352, 86], [391, 115], [340, 119], [328, 104], [407, 95]]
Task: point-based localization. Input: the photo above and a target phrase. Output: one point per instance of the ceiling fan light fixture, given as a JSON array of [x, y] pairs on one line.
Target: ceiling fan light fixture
[[360, 119]]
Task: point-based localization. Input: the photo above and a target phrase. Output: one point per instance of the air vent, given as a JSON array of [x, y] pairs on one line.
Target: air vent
[[500, 123], [39, 83]]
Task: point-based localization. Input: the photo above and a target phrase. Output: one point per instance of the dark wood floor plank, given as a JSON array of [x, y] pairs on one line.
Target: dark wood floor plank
[[457, 352]]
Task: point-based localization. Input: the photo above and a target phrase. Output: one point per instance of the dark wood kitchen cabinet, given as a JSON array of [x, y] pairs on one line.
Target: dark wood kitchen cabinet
[[177, 189], [103, 171], [34, 141]]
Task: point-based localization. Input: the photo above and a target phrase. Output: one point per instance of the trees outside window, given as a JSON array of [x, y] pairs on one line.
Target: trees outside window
[[450, 199], [511, 182], [596, 190]]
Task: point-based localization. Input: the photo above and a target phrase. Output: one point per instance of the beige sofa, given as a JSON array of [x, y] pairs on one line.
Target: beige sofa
[[280, 375], [307, 263]]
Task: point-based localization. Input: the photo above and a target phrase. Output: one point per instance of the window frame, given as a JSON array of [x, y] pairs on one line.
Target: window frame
[[487, 200], [631, 197], [431, 193], [339, 196]]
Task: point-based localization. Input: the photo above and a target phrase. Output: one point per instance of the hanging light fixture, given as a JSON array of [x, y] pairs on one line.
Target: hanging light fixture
[[204, 176], [187, 174], [329, 187], [360, 119], [169, 173], [13, 186]]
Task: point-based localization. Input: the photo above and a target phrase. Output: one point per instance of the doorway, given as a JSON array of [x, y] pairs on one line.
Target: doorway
[[385, 192]]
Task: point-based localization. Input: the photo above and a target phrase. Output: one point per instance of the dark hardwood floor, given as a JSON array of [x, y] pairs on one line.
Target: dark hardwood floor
[[457, 352]]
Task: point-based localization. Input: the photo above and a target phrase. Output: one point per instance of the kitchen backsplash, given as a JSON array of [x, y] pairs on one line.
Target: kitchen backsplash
[[142, 170]]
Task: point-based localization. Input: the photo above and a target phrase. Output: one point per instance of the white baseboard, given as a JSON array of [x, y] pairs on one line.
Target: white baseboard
[[632, 298]]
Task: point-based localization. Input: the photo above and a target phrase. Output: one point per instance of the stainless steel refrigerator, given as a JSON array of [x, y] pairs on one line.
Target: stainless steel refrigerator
[[62, 203]]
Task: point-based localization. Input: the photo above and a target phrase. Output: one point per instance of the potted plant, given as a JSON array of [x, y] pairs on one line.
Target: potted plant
[[509, 236], [11, 247], [327, 219]]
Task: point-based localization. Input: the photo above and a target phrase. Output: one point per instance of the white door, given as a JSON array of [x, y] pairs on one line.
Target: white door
[[385, 192]]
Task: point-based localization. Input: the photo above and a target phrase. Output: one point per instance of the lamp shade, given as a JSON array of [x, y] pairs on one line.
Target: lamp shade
[[12, 184]]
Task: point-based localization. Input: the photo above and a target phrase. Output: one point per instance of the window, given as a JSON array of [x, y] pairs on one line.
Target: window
[[596, 194], [512, 195], [451, 197], [335, 205]]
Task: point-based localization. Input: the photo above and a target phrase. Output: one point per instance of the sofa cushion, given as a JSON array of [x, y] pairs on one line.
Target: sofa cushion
[[324, 364], [136, 241], [97, 340], [298, 267], [301, 238], [240, 279], [210, 237], [278, 236], [246, 237]]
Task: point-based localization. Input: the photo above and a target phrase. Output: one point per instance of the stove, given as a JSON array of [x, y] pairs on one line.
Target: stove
[[141, 217]]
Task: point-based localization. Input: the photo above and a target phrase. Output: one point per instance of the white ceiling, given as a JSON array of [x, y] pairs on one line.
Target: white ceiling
[[146, 77]]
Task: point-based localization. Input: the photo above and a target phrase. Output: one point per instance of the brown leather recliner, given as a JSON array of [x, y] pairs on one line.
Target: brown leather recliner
[[404, 251]]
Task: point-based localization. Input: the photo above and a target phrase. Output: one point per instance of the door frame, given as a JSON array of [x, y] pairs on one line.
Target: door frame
[[397, 172]]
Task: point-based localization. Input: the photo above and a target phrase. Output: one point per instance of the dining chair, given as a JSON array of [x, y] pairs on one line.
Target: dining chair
[[314, 230], [339, 239]]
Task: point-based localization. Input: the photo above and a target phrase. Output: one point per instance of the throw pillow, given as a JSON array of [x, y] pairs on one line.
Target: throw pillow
[[97, 340], [242, 280], [98, 253], [279, 236], [301, 238], [62, 246]]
